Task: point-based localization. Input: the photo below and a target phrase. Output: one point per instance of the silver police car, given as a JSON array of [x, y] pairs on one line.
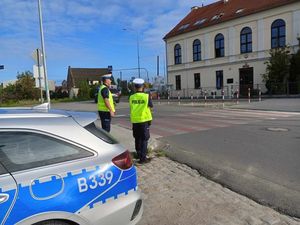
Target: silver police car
[[58, 168]]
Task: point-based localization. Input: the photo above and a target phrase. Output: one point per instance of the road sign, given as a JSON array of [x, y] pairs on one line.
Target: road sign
[[37, 56], [1, 67]]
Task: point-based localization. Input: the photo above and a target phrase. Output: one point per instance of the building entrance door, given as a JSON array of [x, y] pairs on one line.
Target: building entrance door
[[246, 80]]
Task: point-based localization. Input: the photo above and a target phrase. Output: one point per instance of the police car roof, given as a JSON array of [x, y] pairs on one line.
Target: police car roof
[[83, 118]]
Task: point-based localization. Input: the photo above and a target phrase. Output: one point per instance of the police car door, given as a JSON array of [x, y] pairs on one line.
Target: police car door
[[8, 192]]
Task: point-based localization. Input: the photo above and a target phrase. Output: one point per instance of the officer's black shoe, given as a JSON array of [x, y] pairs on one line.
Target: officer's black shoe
[[147, 160], [136, 155]]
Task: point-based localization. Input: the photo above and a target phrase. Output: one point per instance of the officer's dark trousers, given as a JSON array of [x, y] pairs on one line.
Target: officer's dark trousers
[[141, 135], [105, 120]]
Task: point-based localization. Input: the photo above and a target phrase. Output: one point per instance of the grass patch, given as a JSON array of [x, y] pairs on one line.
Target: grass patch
[[20, 103], [30, 103]]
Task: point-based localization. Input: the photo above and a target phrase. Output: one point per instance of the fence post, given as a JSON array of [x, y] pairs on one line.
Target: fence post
[[249, 95]]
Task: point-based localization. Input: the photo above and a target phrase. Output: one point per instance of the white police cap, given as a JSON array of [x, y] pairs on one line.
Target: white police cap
[[138, 81], [106, 76]]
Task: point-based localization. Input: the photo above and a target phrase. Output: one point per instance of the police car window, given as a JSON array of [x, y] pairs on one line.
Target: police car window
[[96, 130], [2, 170], [22, 150]]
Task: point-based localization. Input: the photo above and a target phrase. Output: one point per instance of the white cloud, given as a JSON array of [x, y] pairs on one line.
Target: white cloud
[[70, 25]]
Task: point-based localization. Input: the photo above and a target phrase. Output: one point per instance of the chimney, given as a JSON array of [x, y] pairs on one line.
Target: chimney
[[194, 7]]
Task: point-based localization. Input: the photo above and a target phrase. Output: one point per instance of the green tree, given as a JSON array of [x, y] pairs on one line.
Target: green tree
[[84, 90], [9, 93], [25, 86], [277, 74], [295, 72]]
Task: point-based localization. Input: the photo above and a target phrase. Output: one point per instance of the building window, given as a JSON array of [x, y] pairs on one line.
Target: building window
[[177, 54], [278, 34], [197, 80], [197, 50], [178, 82], [230, 81], [219, 46], [246, 40], [219, 79]]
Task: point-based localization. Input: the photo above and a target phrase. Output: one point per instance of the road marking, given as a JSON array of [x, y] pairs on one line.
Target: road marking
[[119, 116]]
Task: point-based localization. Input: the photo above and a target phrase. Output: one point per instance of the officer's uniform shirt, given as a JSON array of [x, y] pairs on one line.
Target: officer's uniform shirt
[[105, 92]]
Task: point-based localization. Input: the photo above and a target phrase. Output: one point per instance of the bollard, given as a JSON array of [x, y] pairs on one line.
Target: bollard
[[223, 97], [205, 93], [158, 98], [237, 96], [178, 98], [259, 95], [249, 95]]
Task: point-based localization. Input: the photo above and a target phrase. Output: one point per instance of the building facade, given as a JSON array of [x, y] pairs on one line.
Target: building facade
[[90, 75], [224, 45]]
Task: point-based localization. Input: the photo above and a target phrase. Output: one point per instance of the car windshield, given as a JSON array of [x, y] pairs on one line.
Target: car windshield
[[100, 133]]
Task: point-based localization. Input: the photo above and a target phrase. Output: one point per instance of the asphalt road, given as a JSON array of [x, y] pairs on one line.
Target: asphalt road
[[258, 155], [234, 147]]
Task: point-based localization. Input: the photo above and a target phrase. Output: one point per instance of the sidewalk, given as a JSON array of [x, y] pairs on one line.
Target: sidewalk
[[175, 194]]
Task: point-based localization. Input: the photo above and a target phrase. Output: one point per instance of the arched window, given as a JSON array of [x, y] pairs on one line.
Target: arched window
[[278, 34], [197, 50], [246, 40], [219, 46], [177, 54]]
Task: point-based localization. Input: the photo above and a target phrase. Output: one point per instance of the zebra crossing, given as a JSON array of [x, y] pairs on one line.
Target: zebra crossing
[[179, 123]]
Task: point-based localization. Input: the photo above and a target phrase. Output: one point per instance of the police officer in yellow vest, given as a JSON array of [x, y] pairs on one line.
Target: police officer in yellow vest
[[141, 117], [106, 106]]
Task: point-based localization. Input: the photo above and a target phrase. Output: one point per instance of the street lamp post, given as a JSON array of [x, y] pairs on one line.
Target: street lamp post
[[138, 50], [43, 52]]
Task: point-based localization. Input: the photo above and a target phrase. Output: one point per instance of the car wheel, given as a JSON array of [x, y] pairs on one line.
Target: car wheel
[[53, 222]]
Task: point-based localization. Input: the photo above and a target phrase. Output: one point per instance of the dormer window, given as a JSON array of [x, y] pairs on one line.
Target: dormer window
[[183, 27], [216, 17], [199, 22], [239, 11]]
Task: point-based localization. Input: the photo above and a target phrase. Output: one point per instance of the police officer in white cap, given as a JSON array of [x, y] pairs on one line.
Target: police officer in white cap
[[106, 106], [141, 117]]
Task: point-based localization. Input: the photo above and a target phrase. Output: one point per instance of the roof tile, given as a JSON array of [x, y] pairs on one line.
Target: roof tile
[[222, 12]]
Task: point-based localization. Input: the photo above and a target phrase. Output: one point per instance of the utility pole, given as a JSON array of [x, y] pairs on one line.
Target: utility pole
[[157, 65]]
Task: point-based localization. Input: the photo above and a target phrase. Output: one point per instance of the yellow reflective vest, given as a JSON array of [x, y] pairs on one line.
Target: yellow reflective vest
[[101, 103], [139, 110]]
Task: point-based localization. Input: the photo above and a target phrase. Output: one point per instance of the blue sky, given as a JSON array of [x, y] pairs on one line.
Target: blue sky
[[88, 34]]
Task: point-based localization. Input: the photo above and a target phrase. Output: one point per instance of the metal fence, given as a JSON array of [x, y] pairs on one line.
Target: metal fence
[[233, 91]]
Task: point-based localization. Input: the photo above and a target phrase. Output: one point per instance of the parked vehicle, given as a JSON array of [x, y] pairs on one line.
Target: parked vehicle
[[116, 94], [59, 168]]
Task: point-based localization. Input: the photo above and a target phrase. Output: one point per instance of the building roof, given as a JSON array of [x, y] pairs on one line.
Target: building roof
[[75, 75], [221, 11]]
